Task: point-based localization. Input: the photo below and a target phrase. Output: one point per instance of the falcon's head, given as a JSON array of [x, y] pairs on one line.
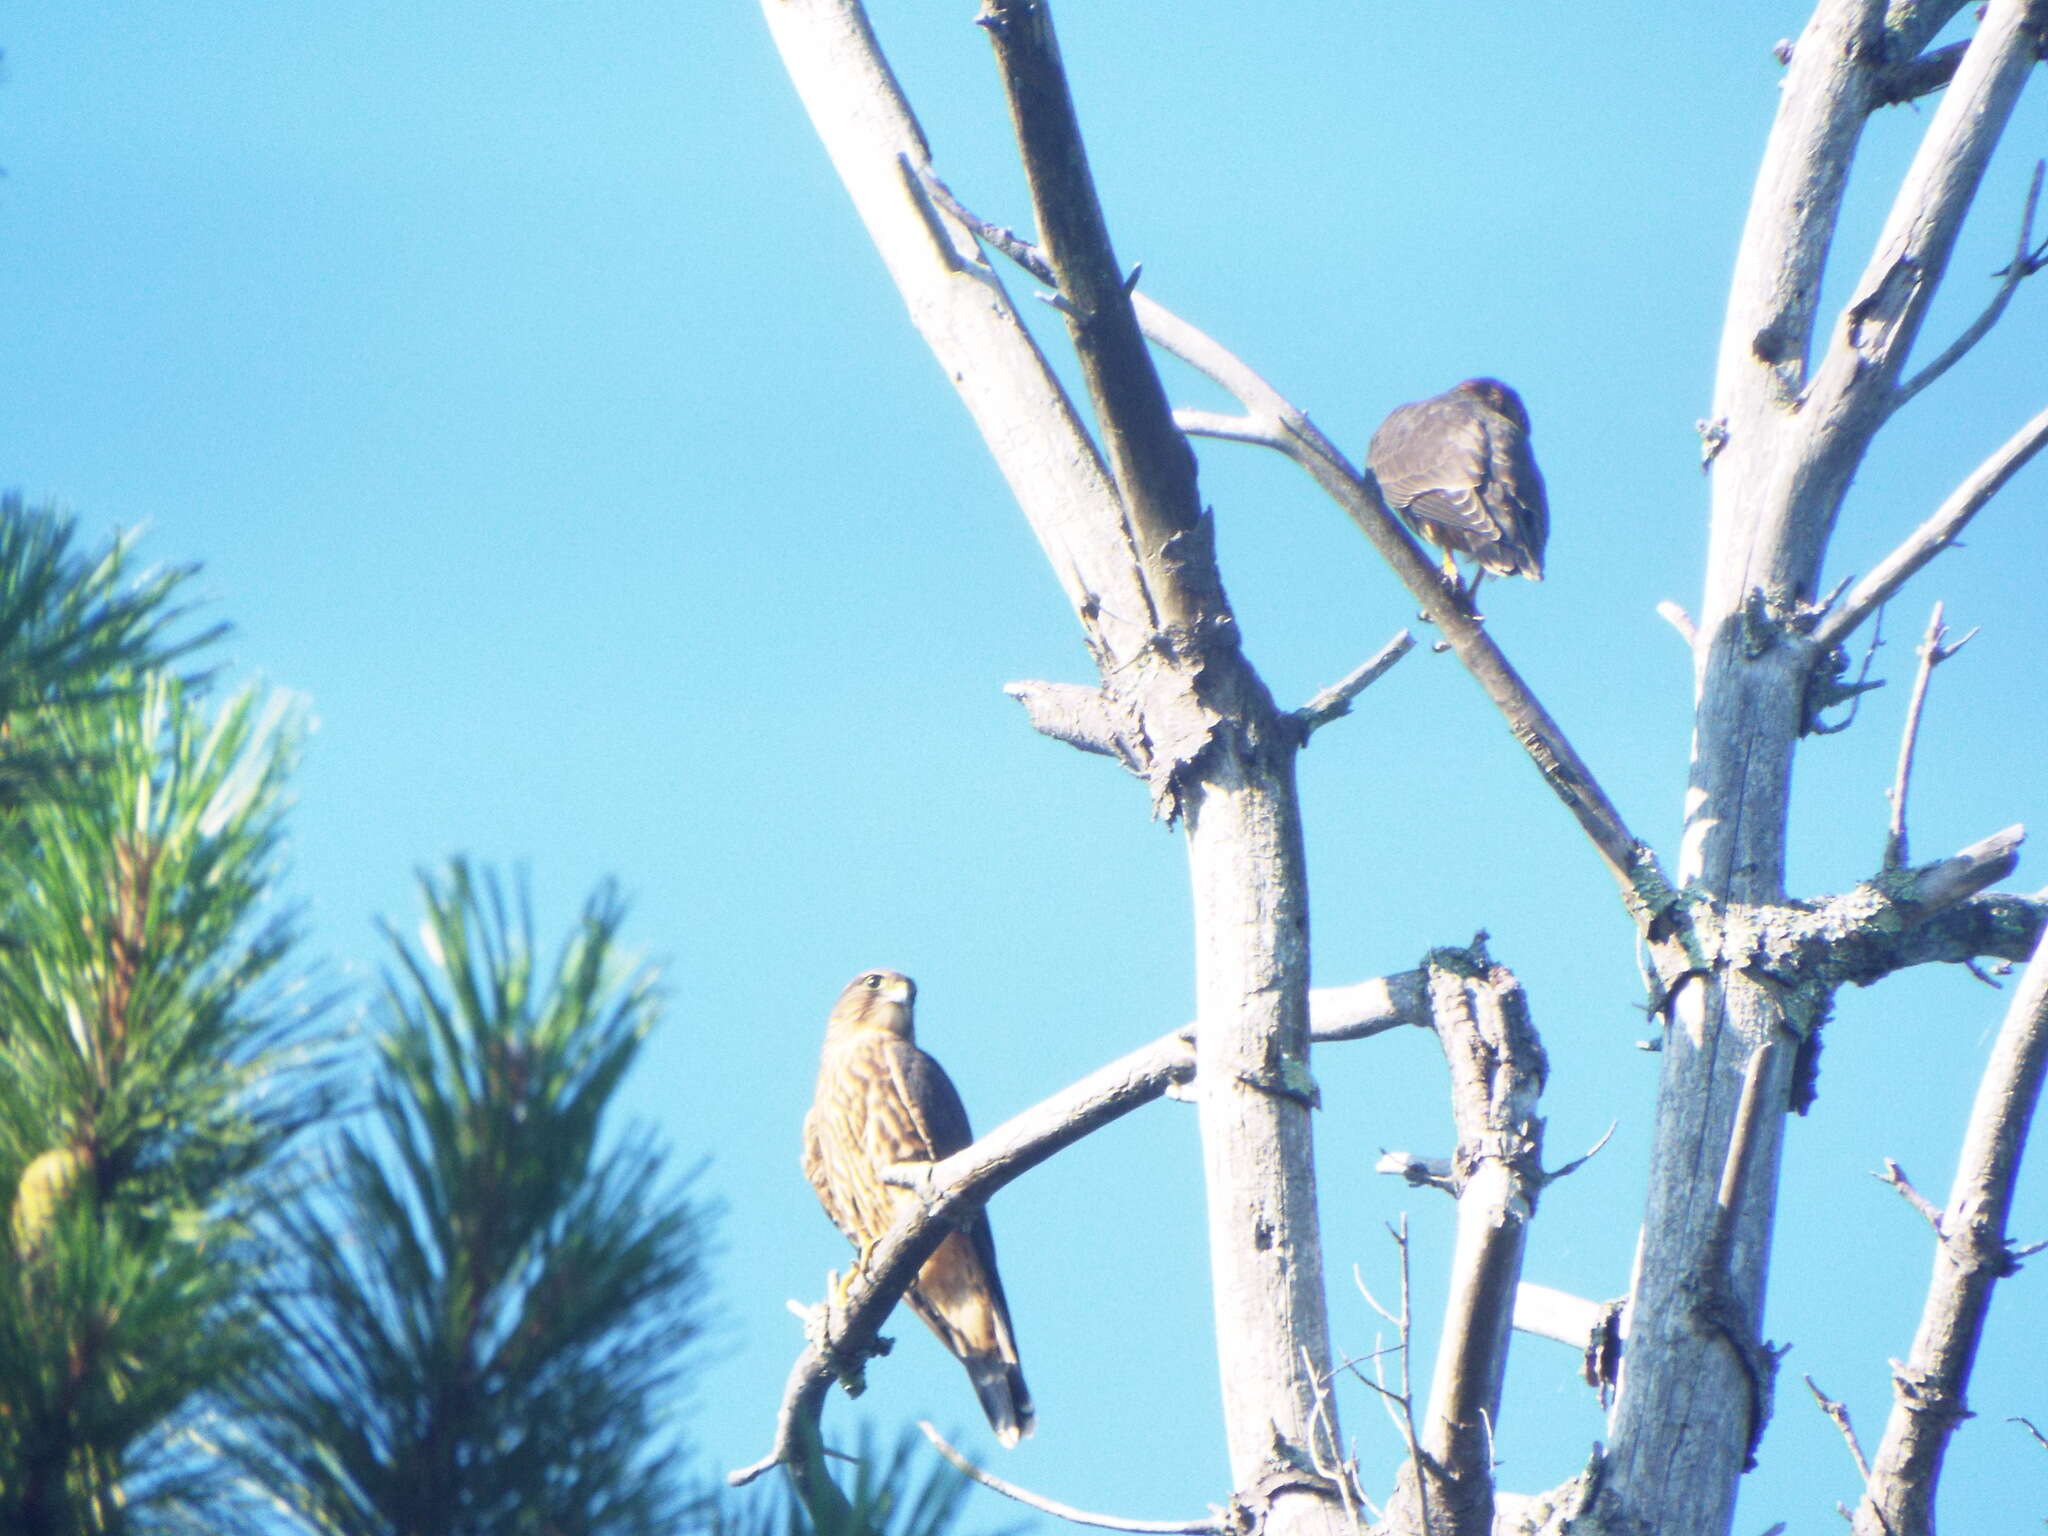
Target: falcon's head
[[1497, 396], [875, 1000]]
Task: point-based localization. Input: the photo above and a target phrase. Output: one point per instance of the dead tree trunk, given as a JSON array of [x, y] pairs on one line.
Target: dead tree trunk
[[1742, 975], [1789, 435], [1178, 702]]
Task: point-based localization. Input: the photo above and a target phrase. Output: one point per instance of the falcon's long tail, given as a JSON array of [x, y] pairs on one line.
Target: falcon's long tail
[[999, 1383]]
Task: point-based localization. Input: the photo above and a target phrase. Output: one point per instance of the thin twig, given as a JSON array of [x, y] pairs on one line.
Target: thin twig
[[1415, 1452], [1213, 1526], [1895, 1176], [1936, 534], [1321, 1422], [1584, 1157], [1679, 620], [1933, 651], [1259, 431], [2039, 1438], [1839, 1413], [1358, 1279], [1335, 701], [2026, 261], [1823, 693]]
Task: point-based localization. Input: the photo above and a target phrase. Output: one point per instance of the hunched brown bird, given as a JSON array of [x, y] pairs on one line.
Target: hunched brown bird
[[882, 1103], [1459, 470]]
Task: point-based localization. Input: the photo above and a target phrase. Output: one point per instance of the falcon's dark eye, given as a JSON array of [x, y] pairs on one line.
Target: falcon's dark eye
[[872, 980]]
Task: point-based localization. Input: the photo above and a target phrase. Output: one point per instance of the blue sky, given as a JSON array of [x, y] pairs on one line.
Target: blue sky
[[525, 386]]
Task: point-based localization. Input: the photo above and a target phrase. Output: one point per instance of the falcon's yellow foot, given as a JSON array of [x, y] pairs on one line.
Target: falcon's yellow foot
[[866, 1253]]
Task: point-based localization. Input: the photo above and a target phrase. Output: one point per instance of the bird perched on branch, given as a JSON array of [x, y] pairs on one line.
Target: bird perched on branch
[[1459, 470], [882, 1106]]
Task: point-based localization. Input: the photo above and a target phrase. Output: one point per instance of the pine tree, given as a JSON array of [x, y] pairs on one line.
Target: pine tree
[[144, 1018], [489, 1294]]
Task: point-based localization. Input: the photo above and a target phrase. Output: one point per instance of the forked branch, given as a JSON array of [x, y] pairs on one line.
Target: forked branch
[[2026, 261], [1274, 421], [1878, 328], [1497, 1066]]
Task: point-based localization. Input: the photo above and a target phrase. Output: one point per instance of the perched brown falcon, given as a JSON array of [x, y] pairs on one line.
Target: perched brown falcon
[[881, 1103], [1458, 468]]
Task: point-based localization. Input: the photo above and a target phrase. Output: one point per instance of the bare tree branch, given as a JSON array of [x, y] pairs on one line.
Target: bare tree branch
[[1878, 328], [1335, 701], [1996, 926], [1895, 1176], [1273, 421], [846, 1333], [1553, 1314], [2026, 261], [1910, 25], [1774, 295], [1224, 763], [1133, 549], [1421, 1172], [1921, 75], [1497, 1074], [1933, 651], [1585, 1157], [1148, 455], [1326, 1454], [1255, 430], [1970, 1257], [1410, 1510], [1019, 1144], [1936, 534], [1074, 713], [1215, 1525], [1680, 620], [1838, 1414], [1368, 1007], [1898, 919]]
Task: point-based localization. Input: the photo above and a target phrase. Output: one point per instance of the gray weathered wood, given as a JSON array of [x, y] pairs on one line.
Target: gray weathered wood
[[1693, 1385], [1970, 1257]]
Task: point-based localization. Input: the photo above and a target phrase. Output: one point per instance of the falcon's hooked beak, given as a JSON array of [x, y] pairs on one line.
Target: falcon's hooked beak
[[890, 987], [878, 1000]]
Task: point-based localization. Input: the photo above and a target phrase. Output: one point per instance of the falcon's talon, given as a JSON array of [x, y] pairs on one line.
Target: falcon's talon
[[913, 1176]]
